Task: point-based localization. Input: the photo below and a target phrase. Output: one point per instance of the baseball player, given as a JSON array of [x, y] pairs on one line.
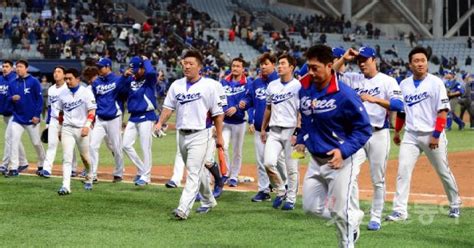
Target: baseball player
[[6, 110], [52, 123], [106, 89], [380, 94], [77, 111], [25, 94], [194, 98], [256, 98], [235, 86], [334, 126], [454, 90], [281, 115], [426, 108], [140, 81]]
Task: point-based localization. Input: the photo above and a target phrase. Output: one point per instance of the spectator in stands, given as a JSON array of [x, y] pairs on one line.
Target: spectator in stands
[[45, 84], [231, 35], [469, 42], [392, 50], [468, 60], [412, 39], [322, 38]]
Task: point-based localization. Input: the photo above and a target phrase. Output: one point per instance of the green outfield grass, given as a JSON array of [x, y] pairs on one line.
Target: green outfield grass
[[122, 215], [164, 149]]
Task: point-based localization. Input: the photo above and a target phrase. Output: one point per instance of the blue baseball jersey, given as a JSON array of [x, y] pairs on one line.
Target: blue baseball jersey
[[141, 101], [453, 86], [6, 108], [235, 92], [256, 98], [106, 91], [31, 100], [332, 118]]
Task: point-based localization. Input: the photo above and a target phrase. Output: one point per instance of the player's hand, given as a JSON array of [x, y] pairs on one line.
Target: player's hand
[[293, 140], [230, 111], [84, 131], [128, 72], [263, 136], [251, 128], [158, 133], [219, 141], [242, 104], [434, 143], [368, 98], [300, 148], [336, 161], [350, 54], [396, 138], [144, 57], [35, 120], [16, 98]]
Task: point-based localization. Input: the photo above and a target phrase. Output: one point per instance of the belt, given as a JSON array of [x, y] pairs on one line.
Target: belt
[[69, 125], [278, 129], [375, 129], [188, 131], [321, 160]]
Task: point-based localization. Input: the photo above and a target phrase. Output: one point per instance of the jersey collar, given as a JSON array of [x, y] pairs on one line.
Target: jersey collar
[[243, 79], [333, 86]]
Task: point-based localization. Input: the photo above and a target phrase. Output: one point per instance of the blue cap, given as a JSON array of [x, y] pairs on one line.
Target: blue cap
[[367, 52], [338, 52], [303, 70], [135, 63], [104, 62]]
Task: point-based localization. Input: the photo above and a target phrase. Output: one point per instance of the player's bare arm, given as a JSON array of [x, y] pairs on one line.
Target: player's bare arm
[[434, 140], [90, 119], [164, 117], [219, 124], [266, 120]]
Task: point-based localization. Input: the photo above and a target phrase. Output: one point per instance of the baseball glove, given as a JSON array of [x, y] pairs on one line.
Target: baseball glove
[[44, 136]]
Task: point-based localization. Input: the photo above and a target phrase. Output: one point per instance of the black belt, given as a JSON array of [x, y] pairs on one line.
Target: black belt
[[188, 131], [375, 129]]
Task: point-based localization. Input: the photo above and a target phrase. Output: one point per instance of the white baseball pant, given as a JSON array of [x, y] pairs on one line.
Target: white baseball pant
[[33, 132], [278, 140], [324, 187], [263, 180], [377, 150], [178, 169], [70, 137], [111, 129], [8, 145], [54, 130], [193, 148], [233, 133], [413, 144], [144, 130]]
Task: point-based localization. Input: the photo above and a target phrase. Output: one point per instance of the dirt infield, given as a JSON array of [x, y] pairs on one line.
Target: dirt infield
[[425, 185]]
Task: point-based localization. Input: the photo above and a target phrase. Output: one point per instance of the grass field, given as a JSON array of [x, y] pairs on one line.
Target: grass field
[[125, 216]]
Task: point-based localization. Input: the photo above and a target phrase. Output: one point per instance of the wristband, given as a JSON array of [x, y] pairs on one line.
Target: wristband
[[439, 127], [88, 123], [297, 131], [399, 122]]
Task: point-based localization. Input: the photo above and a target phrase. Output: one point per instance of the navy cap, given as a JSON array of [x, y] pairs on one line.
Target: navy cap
[[367, 52], [104, 62], [135, 63], [338, 52]]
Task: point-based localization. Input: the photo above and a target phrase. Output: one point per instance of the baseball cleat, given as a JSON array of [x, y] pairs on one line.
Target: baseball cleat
[[374, 226], [88, 186], [141, 183], [136, 178], [21, 168], [224, 179], [261, 196], [233, 182], [117, 179], [83, 173], [3, 169], [278, 201], [217, 192], [179, 215], [171, 184], [396, 216], [454, 212], [73, 174], [63, 191], [288, 206], [44, 173], [203, 210], [198, 197], [12, 173]]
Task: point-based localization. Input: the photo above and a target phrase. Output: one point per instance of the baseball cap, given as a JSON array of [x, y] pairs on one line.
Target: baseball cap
[[303, 70], [338, 52], [135, 63], [104, 62], [366, 52]]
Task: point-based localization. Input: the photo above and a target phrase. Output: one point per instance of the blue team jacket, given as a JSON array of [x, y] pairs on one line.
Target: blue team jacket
[[106, 91], [332, 118], [256, 98], [235, 92], [141, 101], [31, 100], [6, 108]]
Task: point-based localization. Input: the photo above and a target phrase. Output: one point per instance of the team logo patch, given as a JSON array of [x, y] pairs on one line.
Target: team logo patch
[[279, 98], [185, 98], [414, 99], [3, 89], [27, 90], [373, 92], [232, 91], [322, 106], [53, 99], [445, 100], [260, 93], [137, 85]]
